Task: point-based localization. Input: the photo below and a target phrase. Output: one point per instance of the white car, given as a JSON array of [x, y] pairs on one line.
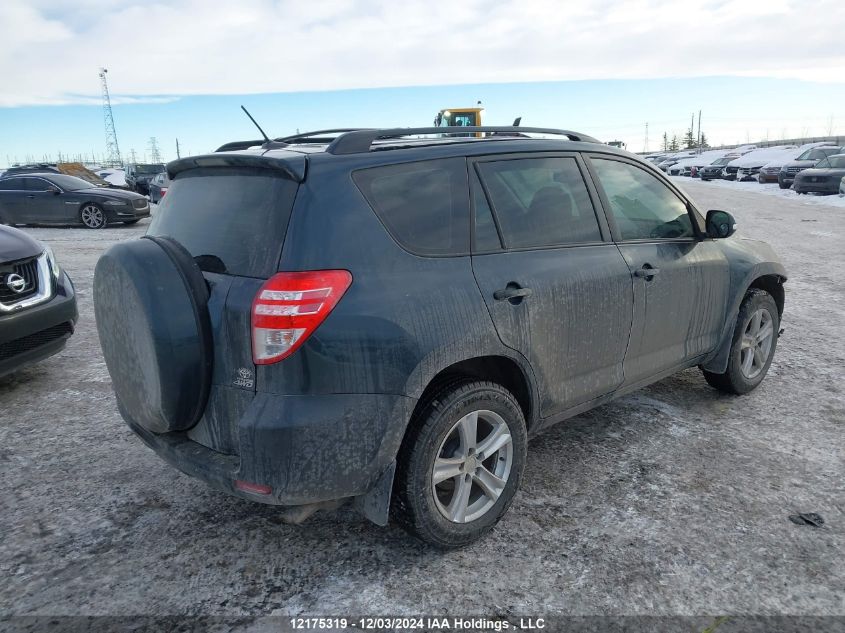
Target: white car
[[842, 188]]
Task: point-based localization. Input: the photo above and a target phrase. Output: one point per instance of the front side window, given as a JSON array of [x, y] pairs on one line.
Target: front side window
[[423, 205], [540, 202], [37, 184], [642, 206]]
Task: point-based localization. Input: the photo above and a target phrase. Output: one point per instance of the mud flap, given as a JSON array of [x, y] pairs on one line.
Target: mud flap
[[375, 504]]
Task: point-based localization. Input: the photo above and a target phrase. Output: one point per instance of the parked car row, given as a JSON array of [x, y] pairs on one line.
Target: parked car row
[[815, 167]]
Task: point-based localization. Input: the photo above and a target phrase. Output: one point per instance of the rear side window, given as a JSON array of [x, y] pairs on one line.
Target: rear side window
[[231, 220], [11, 184], [424, 205], [540, 202]]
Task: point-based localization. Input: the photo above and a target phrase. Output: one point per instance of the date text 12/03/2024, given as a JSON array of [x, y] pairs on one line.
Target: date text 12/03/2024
[[416, 624]]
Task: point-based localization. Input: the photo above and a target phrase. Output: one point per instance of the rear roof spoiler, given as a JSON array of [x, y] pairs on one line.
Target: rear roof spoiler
[[292, 166]]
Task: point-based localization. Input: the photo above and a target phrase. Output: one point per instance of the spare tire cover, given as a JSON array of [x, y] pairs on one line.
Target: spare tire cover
[[151, 307]]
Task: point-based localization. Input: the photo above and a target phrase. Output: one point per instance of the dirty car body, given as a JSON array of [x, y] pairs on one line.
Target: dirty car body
[[534, 267]]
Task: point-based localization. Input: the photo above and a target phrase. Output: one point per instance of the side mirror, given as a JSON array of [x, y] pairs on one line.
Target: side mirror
[[720, 224], [54, 190]]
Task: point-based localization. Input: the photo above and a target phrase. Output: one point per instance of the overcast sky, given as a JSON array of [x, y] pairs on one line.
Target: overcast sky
[[157, 53]]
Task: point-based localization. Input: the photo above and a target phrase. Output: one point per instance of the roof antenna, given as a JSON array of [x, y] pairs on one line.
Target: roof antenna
[[266, 138]]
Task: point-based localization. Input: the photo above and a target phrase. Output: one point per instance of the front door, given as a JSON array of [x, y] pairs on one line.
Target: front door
[[680, 281], [558, 290], [43, 204]]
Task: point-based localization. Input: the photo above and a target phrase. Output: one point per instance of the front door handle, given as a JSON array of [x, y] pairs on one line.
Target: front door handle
[[648, 271], [512, 292]]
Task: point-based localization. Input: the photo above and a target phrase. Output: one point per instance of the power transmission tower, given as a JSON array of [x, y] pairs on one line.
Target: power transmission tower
[[155, 155], [178, 155], [112, 149], [645, 144]]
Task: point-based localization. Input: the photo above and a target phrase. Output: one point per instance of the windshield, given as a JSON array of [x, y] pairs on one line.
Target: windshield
[[837, 162], [70, 183], [721, 161], [149, 169]]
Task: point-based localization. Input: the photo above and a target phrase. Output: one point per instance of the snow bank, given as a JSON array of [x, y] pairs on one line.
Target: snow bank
[[705, 158], [116, 177], [760, 157]]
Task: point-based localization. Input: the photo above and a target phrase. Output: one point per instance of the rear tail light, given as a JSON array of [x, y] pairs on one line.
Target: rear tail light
[[252, 488], [289, 307]]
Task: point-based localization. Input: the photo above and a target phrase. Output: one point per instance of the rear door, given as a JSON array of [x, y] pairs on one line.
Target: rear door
[[233, 221], [680, 281], [558, 290], [13, 200]]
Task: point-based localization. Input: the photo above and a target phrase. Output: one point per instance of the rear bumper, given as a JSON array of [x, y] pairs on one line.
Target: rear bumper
[[36, 333], [306, 448]]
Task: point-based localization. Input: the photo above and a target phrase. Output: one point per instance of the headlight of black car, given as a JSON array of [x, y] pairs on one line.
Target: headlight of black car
[[116, 203], [54, 265]]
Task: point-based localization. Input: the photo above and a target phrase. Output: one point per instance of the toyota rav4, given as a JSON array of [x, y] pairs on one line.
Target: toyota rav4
[[388, 315]]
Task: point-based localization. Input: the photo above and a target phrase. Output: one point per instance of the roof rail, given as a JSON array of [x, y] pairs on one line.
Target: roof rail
[[236, 145], [359, 141], [318, 136]]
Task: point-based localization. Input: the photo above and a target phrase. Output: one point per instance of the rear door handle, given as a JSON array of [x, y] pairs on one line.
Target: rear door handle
[[647, 271], [512, 293]]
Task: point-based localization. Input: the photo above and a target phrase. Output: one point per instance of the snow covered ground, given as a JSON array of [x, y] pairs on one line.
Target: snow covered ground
[[672, 500], [765, 189]]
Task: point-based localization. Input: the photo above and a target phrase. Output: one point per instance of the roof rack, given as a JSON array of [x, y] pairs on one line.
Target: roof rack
[[317, 137], [359, 141]]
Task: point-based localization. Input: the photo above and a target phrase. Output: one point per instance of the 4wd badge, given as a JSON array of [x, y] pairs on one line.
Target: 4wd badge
[[244, 378]]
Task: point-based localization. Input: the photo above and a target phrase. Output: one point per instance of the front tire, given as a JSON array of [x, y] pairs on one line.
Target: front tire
[[460, 464], [753, 345], [92, 216]]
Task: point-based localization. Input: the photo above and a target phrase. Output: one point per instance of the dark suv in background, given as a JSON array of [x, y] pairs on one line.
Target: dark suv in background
[[139, 175], [786, 176], [387, 319]]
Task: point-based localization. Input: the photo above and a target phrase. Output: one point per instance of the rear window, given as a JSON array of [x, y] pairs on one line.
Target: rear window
[[231, 220], [424, 205]]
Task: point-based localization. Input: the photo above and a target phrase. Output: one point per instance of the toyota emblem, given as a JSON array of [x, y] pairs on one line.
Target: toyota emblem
[[15, 283]]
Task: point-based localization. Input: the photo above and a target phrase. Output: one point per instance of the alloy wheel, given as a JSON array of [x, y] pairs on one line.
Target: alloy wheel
[[92, 216], [756, 343], [472, 466]]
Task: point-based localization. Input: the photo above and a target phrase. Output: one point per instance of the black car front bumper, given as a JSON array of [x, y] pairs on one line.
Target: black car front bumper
[[38, 332], [830, 185]]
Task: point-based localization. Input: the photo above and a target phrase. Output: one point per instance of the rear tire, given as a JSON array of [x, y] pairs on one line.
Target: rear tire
[[460, 464], [783, 185], [752, 347]]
